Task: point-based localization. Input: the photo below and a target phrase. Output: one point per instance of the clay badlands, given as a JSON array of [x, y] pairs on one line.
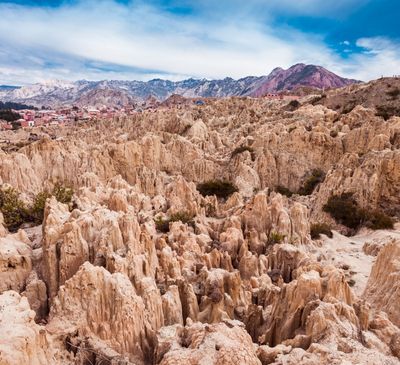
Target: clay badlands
[[141, 268]]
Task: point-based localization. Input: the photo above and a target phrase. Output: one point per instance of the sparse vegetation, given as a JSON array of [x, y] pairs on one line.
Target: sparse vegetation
[[242, 149], [220, 188], [394, 94], [293, 105], [351, 282], [387, 111], [320, 228], [316, 177], [349, 107], [16, 212], [284, 191], [291, 129], [334, 133], [379, 220], [63, 194], [345, 210], [162, 225], [8, 115], [275, 237], [37, 210]]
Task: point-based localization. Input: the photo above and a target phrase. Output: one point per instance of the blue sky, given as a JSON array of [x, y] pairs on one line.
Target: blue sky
[[176, 39]]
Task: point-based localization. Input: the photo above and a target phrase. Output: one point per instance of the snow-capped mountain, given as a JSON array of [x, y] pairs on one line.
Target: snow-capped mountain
[[57, 93]]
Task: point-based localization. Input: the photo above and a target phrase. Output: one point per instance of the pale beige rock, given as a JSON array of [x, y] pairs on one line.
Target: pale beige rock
[[382, 290], [22, 340], [195, 344], [15, 263], [96, 303]]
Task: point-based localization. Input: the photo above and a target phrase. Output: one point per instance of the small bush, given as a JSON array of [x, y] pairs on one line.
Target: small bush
[[378, 220], [320, 228], [37, 209], [63, 194], [345, 210], [284, 191], [220, 188], [334, 133], [14, 211], [394, 93], [387, 111], [291, 129], [275, 237], [241, 149], [351, 282], [162, 225], [293, 105], [9, 115], [349, 107], [316, 177]]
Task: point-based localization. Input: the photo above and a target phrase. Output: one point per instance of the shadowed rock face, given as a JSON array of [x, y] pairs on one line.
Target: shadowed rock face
[[143, 269]]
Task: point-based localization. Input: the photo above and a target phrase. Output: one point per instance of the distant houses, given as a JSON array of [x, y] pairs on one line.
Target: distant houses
[[273, 96]]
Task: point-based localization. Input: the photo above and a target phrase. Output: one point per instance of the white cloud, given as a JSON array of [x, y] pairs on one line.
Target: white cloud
[[137, 38]]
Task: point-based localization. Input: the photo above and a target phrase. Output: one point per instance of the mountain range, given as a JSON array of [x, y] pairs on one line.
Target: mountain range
[[56, 93]]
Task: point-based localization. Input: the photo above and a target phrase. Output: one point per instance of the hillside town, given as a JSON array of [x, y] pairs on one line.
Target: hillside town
[[69, 115], [60, 117]]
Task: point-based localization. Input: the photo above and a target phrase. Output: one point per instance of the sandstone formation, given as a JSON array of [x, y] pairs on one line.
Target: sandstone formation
[[141, 268]]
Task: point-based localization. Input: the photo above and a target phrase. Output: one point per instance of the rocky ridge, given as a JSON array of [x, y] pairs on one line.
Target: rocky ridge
[[115, 93]]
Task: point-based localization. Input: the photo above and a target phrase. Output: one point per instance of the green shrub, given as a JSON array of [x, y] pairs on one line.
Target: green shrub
[[63, 194], [242, 149], [162, 225], [333, 133], [284, 191], [14, 211], [275, 237], [220, 188], [378, 220], [37, 209], [345, 210], [316, 177], [320, 228]]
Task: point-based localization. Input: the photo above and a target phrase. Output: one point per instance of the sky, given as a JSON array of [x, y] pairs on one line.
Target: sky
[[178, 39]]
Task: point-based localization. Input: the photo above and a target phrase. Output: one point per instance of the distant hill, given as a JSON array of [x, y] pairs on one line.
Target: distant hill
[[382, 94], [301, 75], [58, 93]]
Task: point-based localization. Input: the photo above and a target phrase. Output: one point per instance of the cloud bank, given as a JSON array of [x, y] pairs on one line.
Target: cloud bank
[[113, 40]]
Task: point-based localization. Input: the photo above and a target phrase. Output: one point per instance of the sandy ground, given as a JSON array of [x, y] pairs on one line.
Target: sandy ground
[[347, 253]]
